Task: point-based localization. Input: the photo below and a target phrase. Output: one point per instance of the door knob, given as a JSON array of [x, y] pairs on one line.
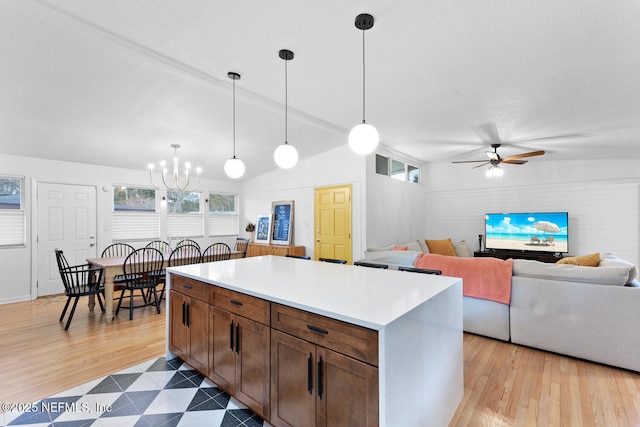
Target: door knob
[[92, 244], [318, 240]]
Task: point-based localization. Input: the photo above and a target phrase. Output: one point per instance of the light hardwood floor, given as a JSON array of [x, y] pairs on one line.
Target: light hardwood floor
[[505, 384]]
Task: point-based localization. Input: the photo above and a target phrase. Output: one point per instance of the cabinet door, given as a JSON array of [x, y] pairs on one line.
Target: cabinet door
[[178, 334], [253, 365], [222, 360], [347, 392], [292, 381], [197, 323]]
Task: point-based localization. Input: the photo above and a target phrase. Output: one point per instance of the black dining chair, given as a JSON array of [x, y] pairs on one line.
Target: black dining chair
[[182, 255], [370, 265], [419, 270], [160, 245], [117, 250], [332, 260], [298, 256], [242, 245], [187, 242], [142, 271], [79, 281], [216, 252]]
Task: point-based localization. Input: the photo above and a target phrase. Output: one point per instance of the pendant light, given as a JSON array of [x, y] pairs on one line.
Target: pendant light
[[286, 156], [234, 167], [363, 138]]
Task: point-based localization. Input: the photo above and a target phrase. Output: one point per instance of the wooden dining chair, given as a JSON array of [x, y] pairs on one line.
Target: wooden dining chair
[[216, 252], [79, 281], [242, 245], [142, 271]]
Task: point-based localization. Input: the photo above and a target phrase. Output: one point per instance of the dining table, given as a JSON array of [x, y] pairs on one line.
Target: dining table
[[114, 266]]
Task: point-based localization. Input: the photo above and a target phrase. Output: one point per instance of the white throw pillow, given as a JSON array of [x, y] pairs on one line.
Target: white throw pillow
[[610, 260], [462, 249]]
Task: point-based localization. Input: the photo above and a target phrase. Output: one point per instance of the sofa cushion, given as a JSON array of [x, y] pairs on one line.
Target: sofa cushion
[[592, 260], [441, 247], [613, 275], [405, 258], [610, 260], [462, 249]]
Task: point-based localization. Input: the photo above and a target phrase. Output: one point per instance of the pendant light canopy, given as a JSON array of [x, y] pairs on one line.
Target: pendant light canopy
[[234, 167], [286, 156], [364, 137]]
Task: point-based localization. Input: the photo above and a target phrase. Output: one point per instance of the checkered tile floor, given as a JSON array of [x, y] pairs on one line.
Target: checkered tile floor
[[157, 393]]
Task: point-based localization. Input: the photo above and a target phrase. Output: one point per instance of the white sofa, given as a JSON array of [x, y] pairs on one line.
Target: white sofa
[[588, 312]]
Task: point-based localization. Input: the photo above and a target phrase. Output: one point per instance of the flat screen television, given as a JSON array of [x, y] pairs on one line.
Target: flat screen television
[[527, 231]]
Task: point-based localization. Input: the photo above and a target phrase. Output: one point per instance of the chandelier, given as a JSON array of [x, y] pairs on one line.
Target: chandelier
[[173, 181]]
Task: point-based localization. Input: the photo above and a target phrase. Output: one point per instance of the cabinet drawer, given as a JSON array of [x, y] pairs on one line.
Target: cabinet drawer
[[241, 304], [351, 340], [190, 287]]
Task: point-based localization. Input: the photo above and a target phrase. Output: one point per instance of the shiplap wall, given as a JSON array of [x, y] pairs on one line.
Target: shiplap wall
[[603, 216]]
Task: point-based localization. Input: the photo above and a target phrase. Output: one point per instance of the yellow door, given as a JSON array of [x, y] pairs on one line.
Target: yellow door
[[332, 223]]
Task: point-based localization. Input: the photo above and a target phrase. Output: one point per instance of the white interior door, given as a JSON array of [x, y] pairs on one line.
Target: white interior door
[[67, 221]]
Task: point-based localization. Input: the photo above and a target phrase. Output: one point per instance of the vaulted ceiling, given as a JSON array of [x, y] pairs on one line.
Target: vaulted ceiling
[[117, 82]]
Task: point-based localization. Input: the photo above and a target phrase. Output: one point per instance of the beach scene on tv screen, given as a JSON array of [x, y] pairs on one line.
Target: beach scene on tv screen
[[527, 231]]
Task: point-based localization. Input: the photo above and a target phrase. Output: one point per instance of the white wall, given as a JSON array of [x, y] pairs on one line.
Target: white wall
[[18, 264], [602, 198], [335, 167]]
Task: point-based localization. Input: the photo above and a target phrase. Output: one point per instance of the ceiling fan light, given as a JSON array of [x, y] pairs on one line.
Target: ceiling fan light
[[286, 156], [364, 138], [234, 168], [497, 171]]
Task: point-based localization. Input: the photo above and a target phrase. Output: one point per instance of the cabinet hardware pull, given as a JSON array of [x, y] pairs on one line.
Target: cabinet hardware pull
[[238, 338], [309, 374], [238, 303], [187, 286], [320, 378], [184, 316], [317, 330], [231, 336], [188, 313]]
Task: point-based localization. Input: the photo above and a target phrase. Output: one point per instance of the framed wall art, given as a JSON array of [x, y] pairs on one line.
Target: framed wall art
[[282, 227], [263, 229]]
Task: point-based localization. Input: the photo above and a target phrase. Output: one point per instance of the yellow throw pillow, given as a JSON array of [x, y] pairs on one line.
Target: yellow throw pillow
[[592, 260], [441, 247]]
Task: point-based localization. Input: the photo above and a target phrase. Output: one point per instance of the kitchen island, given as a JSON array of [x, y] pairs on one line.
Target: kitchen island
[[311, 343]]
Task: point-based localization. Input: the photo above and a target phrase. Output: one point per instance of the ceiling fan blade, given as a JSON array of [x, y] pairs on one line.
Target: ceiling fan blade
[[514, 162], [531, 154], [479, 166], [471, 161]]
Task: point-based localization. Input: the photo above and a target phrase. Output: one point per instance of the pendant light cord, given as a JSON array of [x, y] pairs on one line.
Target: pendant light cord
[[234, 119], [286, 104], [363, 78]]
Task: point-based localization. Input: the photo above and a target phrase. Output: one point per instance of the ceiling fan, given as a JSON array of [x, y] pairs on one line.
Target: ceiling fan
[[495, 160]]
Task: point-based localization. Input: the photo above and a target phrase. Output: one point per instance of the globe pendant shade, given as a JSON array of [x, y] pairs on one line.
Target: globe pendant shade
[[286, 156], [363, 138], [234, 168]]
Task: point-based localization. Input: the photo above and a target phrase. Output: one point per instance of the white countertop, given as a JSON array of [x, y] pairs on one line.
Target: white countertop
[[368, 297]]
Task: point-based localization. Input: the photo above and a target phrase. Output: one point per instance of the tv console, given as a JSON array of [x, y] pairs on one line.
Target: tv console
[[549, 257]]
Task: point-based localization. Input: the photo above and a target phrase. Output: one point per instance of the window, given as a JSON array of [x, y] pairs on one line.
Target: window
[[223, 215], [183, 202], [397, 169], [134, 199], [184, 216], [134, 214], [12, 217]]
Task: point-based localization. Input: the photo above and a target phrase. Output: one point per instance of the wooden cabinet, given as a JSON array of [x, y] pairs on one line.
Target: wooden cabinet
[[256, 249], [313, 385], [188, 327], [239, 356]]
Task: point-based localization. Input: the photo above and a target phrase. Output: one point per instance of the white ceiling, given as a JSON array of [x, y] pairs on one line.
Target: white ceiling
[[115, 82]]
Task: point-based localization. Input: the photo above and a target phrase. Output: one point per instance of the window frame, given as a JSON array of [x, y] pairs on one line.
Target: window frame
[[15, 217]]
